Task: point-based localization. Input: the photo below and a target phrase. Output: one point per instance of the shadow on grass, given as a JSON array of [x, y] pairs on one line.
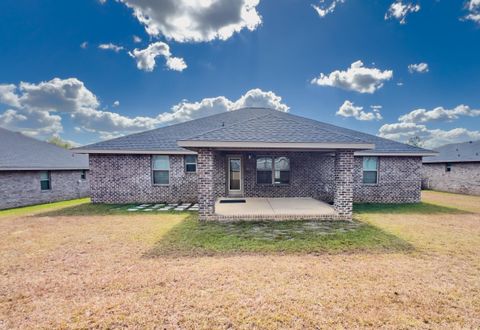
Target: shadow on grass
[[194, 238], [413, 208], [90, 209]]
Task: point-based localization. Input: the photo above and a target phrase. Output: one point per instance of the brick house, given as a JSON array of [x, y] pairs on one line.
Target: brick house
[[35, 172], [251, 154], [456, 168]]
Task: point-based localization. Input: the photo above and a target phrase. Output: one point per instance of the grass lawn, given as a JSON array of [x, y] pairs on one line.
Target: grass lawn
[[35, 209], [411, 266]]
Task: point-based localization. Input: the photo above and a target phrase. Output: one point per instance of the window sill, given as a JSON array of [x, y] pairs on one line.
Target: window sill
[[273, 184], [161, 184]]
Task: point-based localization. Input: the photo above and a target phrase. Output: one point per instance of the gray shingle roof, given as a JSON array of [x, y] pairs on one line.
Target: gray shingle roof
[[456, 152], [19, 152], [248, 124]]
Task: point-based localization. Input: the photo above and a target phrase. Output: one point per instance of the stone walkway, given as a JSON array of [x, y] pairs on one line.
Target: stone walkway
[[163, 207]]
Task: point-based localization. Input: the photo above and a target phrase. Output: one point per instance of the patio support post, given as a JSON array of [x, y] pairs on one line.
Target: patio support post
[[206, 191], [343, 199]]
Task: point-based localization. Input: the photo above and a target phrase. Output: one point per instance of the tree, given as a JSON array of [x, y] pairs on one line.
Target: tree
[[415, 141], [56, 140]]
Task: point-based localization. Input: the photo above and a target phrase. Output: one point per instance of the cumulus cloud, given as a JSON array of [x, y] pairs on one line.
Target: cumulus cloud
[[413, 124], [348, 109], [439, 114], [356, 78], [136, 39], [116, 103], [419, 68], [399, 10], [197, 20], [146, 58], [36, 109], [84, 45], [473, 7], [323, 9], [110, 46]]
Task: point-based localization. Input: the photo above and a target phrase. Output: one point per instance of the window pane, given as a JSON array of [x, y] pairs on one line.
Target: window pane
[[282, 177], [369, 176], [190, 159], [264, 163], [282, 164], [264, 177], [160, 177], [369, 163], [44, 175], [235, 165], [191, 167], [45, 185], [161, 163]]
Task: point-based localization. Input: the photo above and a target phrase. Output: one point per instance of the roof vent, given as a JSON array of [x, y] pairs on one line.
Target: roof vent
[[223, 124]]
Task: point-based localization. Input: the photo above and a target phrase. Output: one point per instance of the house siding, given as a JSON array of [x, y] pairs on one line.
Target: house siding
[[464, 178], [128, 179], [22, 188]]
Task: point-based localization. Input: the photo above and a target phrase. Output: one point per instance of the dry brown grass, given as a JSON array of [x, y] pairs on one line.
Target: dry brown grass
[[464, 202], [90, 272]]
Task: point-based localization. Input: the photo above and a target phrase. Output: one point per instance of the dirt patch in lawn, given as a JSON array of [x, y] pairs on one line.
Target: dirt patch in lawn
[[90, 272]]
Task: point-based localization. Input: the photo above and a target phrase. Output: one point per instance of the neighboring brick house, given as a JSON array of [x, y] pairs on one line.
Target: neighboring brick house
[[455, 169], [34, 172], [254, 152]]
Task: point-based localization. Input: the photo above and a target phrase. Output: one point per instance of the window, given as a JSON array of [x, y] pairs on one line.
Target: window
[[448, 167], [273, 170], [45, 180], [83, 176], [370, 170], [264, 170], [161, 169], [190, 163], [282, 170]]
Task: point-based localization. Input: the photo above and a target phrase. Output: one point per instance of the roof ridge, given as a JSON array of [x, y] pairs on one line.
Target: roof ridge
[[228, 126]]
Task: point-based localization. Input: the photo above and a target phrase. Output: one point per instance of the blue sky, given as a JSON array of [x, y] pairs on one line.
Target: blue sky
[[206, 56]]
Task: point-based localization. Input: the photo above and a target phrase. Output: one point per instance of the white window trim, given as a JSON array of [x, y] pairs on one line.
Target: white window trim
[[153, 171], [190, 163], [376, 172]]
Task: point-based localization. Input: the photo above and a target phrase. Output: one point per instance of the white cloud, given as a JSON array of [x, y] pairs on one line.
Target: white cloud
[[84, 45], [136, 39], [438, 114], [348, 109], [110, 46], [356, 78], [116, 103], [146, 57], [473, 7], [323, 10], [400, 10], [413, 124], [8, 96], [419, 68], [195, 20], [38, 109]]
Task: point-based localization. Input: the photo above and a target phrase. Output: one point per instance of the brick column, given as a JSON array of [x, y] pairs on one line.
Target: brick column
[[343, 199], [206, 191]]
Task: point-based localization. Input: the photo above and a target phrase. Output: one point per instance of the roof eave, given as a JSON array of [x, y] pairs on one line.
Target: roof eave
[[77, 168], [133, 152], [394, 153]]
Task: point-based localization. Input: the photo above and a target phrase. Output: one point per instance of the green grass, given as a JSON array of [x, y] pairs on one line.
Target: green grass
[[192, 237], [413, 208], [34, 209]]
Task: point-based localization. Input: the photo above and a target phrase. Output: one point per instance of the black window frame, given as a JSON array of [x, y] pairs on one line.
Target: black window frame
[[273, 171], [48, 181], [448, 167], [187, 164], [83, 175]]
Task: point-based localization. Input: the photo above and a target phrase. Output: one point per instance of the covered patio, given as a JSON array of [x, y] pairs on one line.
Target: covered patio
[[288, 208]]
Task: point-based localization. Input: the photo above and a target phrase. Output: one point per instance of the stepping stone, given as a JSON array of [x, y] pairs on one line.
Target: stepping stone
[[132, 210], [147, 210], [164, 209], [186, 204], [144, 205], [156, 206]]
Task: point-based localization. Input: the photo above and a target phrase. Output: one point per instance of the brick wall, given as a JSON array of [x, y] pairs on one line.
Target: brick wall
[[206, 184], [21, 188], [343, 197], [399, 181], [463, 178], [128, 179]]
